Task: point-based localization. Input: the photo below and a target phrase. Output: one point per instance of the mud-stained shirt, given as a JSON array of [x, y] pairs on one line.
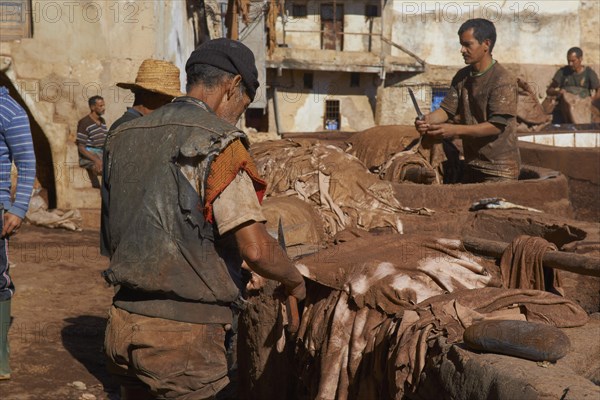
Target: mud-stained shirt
[[237, 204], [580, 84], [490, 97]]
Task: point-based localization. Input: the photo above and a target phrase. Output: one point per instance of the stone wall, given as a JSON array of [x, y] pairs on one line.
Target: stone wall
[[80, 49]]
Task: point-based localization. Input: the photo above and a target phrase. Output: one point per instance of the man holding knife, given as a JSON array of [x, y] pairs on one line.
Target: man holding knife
[[480, 109], [183, 212]]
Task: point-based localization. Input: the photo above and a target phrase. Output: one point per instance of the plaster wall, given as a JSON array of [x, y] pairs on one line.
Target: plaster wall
[[303, 110], [83, 48], [538, 32]]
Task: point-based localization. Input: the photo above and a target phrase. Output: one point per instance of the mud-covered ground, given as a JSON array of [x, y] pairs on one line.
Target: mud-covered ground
[[59, 315]]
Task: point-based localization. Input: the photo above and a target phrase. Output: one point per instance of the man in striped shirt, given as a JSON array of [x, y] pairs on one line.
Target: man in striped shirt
[[16, 146], [91, 133]]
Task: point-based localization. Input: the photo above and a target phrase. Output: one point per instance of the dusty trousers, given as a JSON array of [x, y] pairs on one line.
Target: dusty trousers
[[6, 291], [4, 348]]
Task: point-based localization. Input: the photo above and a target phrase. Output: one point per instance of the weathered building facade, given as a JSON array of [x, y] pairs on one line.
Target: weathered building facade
[[533, 39], [329, 61], [359, 58]]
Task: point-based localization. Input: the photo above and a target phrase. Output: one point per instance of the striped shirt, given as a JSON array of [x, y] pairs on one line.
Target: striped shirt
[[91, 134], [16, 146]]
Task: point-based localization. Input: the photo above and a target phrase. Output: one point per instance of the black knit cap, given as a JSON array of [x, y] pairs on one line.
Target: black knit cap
[[229, 55]]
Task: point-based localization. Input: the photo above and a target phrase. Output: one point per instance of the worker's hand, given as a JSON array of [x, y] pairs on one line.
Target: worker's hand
[[12, 223], [256, 282], [422, 125], [282, 292], [443, 130]]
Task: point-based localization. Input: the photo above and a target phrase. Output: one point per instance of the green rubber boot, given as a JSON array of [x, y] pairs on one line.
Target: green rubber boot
[[4, 350]]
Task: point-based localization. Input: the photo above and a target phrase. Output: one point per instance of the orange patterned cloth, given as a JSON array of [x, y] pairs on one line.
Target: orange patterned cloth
[[224, 169]]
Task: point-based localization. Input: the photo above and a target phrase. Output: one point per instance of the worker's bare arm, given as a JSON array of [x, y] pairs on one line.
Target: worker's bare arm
[[459, 130], [263, 255]]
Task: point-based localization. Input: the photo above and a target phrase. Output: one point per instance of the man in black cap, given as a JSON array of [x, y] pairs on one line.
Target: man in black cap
[[183, 213]]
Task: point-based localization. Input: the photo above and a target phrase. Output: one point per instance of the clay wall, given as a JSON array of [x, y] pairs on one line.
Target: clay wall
[[581, 166]]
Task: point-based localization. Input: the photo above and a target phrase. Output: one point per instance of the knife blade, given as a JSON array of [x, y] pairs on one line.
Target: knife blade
[[420, 115]]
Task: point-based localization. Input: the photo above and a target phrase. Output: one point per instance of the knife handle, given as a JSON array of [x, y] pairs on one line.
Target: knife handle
[[293, 316]]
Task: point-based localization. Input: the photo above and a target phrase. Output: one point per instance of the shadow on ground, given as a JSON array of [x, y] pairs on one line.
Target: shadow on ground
[[83, 337]]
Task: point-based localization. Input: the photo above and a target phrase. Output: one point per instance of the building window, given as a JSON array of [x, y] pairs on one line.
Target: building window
[[437, 96], [354, 79], [15, 20], [299, 11], [371, 11], [332, 115], [308, 80]]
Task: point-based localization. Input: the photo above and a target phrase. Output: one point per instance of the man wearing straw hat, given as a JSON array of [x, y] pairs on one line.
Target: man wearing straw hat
[[184, 212], [156, 84]]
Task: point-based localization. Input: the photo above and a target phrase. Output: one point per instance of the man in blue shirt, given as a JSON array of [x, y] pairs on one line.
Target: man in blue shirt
[[16, 146]]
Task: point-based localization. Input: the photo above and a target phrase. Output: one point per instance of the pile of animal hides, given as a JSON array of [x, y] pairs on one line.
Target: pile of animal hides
[[375, 302], [336, 184], [374, 306]]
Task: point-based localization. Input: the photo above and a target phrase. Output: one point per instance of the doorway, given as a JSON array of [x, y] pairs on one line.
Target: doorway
[[332, 27]]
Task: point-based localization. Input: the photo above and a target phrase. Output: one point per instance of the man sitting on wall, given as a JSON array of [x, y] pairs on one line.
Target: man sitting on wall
[[91, 133]]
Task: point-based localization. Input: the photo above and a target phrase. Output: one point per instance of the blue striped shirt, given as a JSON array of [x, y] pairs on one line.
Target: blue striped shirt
[[91, 134], [16, 146]]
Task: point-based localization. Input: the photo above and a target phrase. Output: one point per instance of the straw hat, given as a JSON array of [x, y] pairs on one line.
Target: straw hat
[[156, 76]]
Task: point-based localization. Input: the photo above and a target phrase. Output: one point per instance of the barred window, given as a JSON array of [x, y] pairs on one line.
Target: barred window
[[332, 115]]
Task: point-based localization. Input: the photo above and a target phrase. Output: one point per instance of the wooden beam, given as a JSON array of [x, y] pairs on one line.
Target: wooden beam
[[572, 262]]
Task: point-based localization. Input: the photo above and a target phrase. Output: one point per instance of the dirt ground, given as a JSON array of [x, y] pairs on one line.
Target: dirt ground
[[59, 315]]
